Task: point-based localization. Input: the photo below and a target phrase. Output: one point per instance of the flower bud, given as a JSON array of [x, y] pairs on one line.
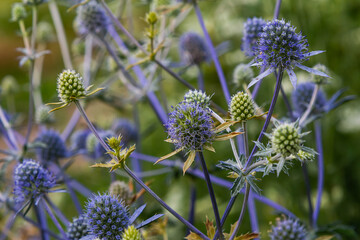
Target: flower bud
[[122, 191], [131, 233], [70, 86], [285, 139], [197, 96], [18, 12], [241, 107]]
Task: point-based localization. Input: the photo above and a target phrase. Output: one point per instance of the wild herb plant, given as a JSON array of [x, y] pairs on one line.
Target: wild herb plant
[[128, 71]]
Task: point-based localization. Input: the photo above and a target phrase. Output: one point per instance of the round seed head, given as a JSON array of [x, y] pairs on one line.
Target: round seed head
[[121, 190], [78, 228], [280, 46], [197, 96], [285, 139], [42, 115], [252, 29], [131, 233], [31, 180], [301, 98], [287, 229], [317, 79], [18, 12], [107, 216], [70, 86], [92, 19], [243, 73], [45, 32], [241, 107], [190, 126], [193, 49], [53, 147]]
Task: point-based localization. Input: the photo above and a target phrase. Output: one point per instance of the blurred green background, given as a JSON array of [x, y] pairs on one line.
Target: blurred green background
[[331, 25]]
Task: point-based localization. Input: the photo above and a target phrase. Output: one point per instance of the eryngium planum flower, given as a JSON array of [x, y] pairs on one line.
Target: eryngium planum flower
[[70, 86], [241, 107], [78, 139], [31, 180], [92, 19], [121, 190], [301, 97], [78, 228], [285, 139], [287, 229], [131, 233], [253, 27], [197, 96], [190, 126], [52, 146], [193, 49], [107, 216]]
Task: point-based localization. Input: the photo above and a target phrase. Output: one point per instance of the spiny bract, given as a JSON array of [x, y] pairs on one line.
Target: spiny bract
[[241, 107], [285, 139], [107, 216], [190, 126], [70, 86], [287, 229], [31, 180]]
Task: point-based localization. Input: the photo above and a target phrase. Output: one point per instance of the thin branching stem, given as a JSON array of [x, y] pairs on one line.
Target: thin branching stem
[[310, 106], [53, 218], [321, 170]]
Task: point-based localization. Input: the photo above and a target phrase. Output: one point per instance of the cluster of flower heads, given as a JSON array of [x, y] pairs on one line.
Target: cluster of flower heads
[[193, 49], [52, 147], [253, 27], [31, 181], [288, 229], [78, 228]]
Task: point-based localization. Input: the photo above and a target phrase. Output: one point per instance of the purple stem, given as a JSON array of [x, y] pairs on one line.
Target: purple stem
[[80, 188], [277, 9], [71, 125], [57, 211], [55, 221], [192, 203], [201, 84], [9, 224], [226, 214], [211, 192], [308, 191], [42, 221], [212, 52], [252, 213], [319, 148]]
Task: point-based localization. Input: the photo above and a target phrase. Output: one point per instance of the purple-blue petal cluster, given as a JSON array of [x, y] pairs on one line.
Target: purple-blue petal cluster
[[193, 49], [78, 228], [31, 180], [78, 139], [288, 229], [301, 97], [53, 147], [190, 126], [107, 216], [280, 46], [253, 28]]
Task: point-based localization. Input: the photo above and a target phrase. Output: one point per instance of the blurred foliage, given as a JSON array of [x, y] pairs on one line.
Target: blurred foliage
[[331, 25]]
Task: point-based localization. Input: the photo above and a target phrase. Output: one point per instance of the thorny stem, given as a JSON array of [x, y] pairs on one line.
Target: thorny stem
[[310, 106], [60, 33], [211, 192], [212, 52], [320, 187], [242, 213], [138, 180]]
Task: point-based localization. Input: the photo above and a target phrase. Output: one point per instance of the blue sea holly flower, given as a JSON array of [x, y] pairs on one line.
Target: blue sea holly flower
[[281, 48], [78, 228], [193, 49], [253, 27], [52, 147], [288, 229], [31, 181], [107, 216]]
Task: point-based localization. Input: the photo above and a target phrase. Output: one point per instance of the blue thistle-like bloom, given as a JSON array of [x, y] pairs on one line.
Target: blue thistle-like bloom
[[280, 47], [78, 228], [301, 97], [92, 19], [107, 216], [193, 49], [78, 139], [287, 229], [53, 147], [190, 126], [253, 27], [31, 180], [126, 129], [198, 97]]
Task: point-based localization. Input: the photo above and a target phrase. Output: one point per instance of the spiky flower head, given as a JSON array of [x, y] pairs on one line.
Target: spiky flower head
[[78, 139], [131, 233], [121, 190], [92, 19], [34, 2], [301, 98], [52, 146], [45, 32], [126, 129], [193, 49], [197, 96], [280, 45], [241, 107], [253, 27], [190, 126], [42, 115], [9, 85], [107, 216], [70, 86], [243, 73], [320, 79], [78, 228], [31, 180], [287, 229], [18, 12], [286, 139]]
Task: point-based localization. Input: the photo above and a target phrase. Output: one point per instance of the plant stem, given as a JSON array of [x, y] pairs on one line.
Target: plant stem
[[212, 52], [242, 213], [42, 222], [277, 9], [253, 213], [201, 84], [57, 211], [192, 203], [226, 214], [287, 103], [53, 218], [320, 187], [9, 130], [310, 106], [60, 33], [211, 192], [308, 191]]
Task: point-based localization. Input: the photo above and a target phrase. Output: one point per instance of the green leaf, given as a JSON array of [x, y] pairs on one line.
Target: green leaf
[[238, 184]]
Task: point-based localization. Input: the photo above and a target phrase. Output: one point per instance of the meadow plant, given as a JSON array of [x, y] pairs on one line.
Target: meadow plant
[[133, 74]]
